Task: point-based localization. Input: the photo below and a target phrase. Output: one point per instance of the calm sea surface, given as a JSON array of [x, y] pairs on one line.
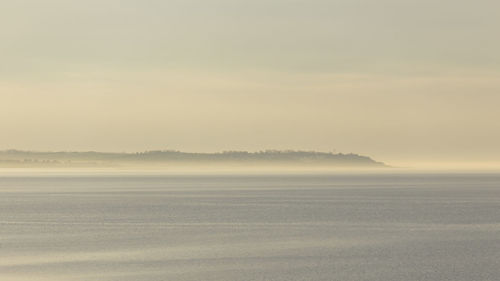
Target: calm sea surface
[[315, 227]]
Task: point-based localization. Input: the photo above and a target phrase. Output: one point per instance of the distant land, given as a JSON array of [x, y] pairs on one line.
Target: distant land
[[158, 158]]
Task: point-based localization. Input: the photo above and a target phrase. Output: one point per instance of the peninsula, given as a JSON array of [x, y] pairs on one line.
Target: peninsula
[[18, 158]]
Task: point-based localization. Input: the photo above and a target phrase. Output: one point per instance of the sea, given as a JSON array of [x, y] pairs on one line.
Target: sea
[[231, 227]]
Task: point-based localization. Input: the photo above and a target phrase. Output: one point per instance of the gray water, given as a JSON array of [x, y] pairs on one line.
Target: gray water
[[322, 227]]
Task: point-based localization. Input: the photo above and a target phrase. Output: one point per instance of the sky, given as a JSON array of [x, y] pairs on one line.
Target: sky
[[401, 81]]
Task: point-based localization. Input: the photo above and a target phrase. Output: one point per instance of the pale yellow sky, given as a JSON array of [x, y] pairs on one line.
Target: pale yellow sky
[[401, 81]]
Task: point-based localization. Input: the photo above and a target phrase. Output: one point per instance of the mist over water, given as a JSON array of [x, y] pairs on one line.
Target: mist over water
[[267, 140], [250, 227]]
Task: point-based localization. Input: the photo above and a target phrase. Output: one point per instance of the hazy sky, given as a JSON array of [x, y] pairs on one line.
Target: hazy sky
[[397, 80]]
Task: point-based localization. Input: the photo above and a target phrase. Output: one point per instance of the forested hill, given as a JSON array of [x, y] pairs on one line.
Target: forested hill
[[271, 157]]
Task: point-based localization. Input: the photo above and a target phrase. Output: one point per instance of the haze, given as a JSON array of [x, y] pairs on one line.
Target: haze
[[400, 81]]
